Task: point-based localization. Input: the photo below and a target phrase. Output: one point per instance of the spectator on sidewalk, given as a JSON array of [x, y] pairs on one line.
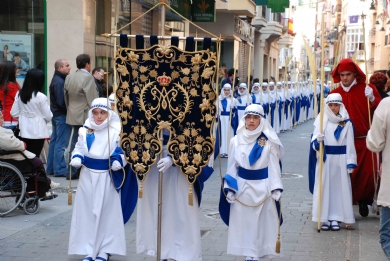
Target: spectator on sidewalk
[[98, 74], [32, 108], [60, 135], [9, 87], [9, 142], [379, 80], [80, 90], [377, 141]]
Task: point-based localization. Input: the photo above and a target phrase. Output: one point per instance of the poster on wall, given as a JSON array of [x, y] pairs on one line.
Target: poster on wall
[[18, 48]]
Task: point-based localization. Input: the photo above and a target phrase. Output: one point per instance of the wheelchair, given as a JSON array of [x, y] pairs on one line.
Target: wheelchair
[[19, 185]]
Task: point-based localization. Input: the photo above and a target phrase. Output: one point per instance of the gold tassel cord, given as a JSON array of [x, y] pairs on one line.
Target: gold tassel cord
[[278, 243], [190, 196], [140, 192]]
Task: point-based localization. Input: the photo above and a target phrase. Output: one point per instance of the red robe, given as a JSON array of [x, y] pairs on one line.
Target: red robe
[[356, 104]]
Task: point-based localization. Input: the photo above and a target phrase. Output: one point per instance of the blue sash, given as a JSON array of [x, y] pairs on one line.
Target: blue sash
[[250, 174], [335, 150]]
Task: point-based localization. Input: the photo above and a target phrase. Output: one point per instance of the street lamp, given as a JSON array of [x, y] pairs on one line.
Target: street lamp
[[382, 16], [372, 7]]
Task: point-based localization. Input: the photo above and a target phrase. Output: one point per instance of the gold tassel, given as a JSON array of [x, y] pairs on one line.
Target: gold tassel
[[70, 197], [140, 190], [277, 250], [190, 197]]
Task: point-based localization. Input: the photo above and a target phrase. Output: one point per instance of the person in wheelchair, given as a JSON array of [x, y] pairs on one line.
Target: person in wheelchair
[[9, 142]]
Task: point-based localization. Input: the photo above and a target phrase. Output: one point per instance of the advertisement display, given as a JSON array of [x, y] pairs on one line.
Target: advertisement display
[[18, 48]]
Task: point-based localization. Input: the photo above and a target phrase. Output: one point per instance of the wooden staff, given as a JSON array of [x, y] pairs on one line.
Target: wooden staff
[[249, 76], [321, 125], [285, 88], [363, 16], [232, 98], [160, 173]]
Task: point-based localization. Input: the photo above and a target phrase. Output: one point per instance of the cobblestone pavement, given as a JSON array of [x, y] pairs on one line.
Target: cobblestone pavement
[[44, 236]]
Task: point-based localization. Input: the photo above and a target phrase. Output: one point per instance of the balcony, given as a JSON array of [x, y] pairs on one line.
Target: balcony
[[259, 21], [272, 31], [238, 7], [286, 40]]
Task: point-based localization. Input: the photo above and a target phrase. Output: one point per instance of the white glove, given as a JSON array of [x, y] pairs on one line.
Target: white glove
[[349, 171], [276, 194], [369, 93], [75, 162], [116, 165], [164, 164], [320, 137], [230, 197]]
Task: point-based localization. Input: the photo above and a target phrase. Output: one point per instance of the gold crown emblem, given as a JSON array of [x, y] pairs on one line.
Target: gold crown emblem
[[164, 80]]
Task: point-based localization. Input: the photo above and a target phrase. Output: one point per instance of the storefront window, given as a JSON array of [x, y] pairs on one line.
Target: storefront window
[[22, 38]]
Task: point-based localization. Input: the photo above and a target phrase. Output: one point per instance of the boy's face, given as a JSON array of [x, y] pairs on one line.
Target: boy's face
[[271, 87], [99, 115], [113, 106], [335, 107], [256, 88], [241, 90], [264, 88], [279, 87], [226, 92]]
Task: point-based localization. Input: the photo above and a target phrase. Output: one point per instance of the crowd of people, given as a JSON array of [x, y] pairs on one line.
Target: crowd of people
[[250, 119]]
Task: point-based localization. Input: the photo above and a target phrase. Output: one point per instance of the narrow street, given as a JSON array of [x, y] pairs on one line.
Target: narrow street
[[44, 236]]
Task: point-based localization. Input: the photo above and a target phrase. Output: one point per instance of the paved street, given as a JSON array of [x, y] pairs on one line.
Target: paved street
[[44, 236]]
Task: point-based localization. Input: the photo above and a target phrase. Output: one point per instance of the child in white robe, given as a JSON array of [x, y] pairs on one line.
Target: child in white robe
[[243, 100], [340, 160], [253, 175], [225, 105], [97, 227]]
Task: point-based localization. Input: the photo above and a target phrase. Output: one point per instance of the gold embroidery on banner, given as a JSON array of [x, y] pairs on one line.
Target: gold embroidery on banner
[[342, 123], [156, 95]]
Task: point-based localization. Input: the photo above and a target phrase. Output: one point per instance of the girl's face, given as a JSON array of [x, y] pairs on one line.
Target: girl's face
[[241, 90], [264, 88], [99, 115], [5, 47], [252, 121], [256, 88], [335, 107], [226, 92]]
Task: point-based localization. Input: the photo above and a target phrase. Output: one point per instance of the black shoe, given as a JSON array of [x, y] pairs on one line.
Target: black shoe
[[363, 209], [49, 197]]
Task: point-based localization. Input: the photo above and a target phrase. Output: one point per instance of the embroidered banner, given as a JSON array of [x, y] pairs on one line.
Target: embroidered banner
[[166, 88]]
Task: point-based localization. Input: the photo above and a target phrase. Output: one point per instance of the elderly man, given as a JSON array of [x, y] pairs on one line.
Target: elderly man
[[355, 93]]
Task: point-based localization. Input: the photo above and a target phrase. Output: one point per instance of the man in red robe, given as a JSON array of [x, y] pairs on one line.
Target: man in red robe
[[356, 96]]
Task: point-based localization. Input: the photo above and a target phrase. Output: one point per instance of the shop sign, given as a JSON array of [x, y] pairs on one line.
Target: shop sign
[[183, 7], [244, 29], [277, 6], [203, 10]]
